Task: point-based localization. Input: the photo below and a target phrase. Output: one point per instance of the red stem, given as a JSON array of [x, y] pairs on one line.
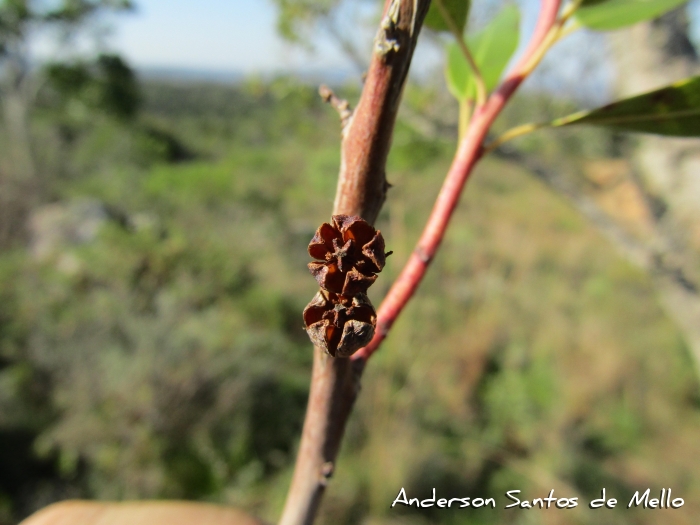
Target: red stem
[[467, 155], [546, 20]]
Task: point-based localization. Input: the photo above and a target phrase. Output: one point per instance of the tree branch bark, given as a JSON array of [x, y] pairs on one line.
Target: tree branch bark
[[361, 191], [362, 182]]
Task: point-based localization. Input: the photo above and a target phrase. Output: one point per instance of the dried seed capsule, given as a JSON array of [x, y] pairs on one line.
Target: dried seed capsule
[[351, 253], [340, 325]]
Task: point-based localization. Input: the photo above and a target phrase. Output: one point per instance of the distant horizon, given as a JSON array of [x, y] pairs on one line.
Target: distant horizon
[[212, 35], [224, 42], [233, 76]]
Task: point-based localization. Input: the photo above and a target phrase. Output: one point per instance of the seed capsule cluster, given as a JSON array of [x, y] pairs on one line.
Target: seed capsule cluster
[[349, 254]]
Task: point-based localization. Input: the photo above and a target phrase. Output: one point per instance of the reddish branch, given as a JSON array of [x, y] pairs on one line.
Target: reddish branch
[[545, 22], [465, 159], [361, 191]]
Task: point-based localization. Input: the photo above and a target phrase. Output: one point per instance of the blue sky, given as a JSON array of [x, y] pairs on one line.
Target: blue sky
[[229, 35], [236, 35], [240, 36]]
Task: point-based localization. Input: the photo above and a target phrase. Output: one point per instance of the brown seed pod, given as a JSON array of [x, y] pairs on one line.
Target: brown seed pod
[[340, 325], [351, 253]]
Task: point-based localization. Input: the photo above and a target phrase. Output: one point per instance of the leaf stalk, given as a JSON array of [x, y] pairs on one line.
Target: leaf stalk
[[515, 132], [481, 91]]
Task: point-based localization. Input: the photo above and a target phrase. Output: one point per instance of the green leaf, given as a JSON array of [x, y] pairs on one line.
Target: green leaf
[[604, 15], [492, 48], [457, 73], [458, 10], [673, 110]]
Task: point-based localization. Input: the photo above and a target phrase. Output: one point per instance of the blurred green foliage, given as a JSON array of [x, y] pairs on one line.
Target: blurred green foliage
[[108, 85], [161, 354]]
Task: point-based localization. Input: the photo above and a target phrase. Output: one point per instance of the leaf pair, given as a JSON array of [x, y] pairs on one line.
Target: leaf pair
[[601, 15], [673, 110], [491, 48]]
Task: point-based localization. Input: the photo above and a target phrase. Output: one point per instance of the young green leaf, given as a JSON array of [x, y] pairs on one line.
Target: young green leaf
[[673, 110], [604, 15], [458, 10], [458, 73], [492, 48]]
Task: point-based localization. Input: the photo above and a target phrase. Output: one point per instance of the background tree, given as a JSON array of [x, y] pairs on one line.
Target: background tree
[[22, 81]]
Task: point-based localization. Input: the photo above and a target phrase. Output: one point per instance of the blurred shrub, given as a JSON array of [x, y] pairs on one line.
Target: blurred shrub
[[163, 355], [107, 85]]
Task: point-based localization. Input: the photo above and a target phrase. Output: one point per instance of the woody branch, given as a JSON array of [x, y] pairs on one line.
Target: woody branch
[[361, 191]]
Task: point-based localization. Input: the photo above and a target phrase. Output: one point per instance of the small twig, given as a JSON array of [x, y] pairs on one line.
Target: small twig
[[466, 107], [515, 132], [481, 91], [346, 45], [636, 251], [555, 33], [569, 11], [558, 31], [342, 106], [569, 28]]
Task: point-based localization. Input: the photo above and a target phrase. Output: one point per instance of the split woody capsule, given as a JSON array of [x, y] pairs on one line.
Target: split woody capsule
[[340, 325], [349, 254]]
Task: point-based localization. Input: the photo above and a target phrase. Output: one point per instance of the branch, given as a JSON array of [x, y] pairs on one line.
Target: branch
[[361, 191], [340, 105], [658, 257], [636, 251], [513, 133], [362, 180], [346, 45], [545, 23]]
